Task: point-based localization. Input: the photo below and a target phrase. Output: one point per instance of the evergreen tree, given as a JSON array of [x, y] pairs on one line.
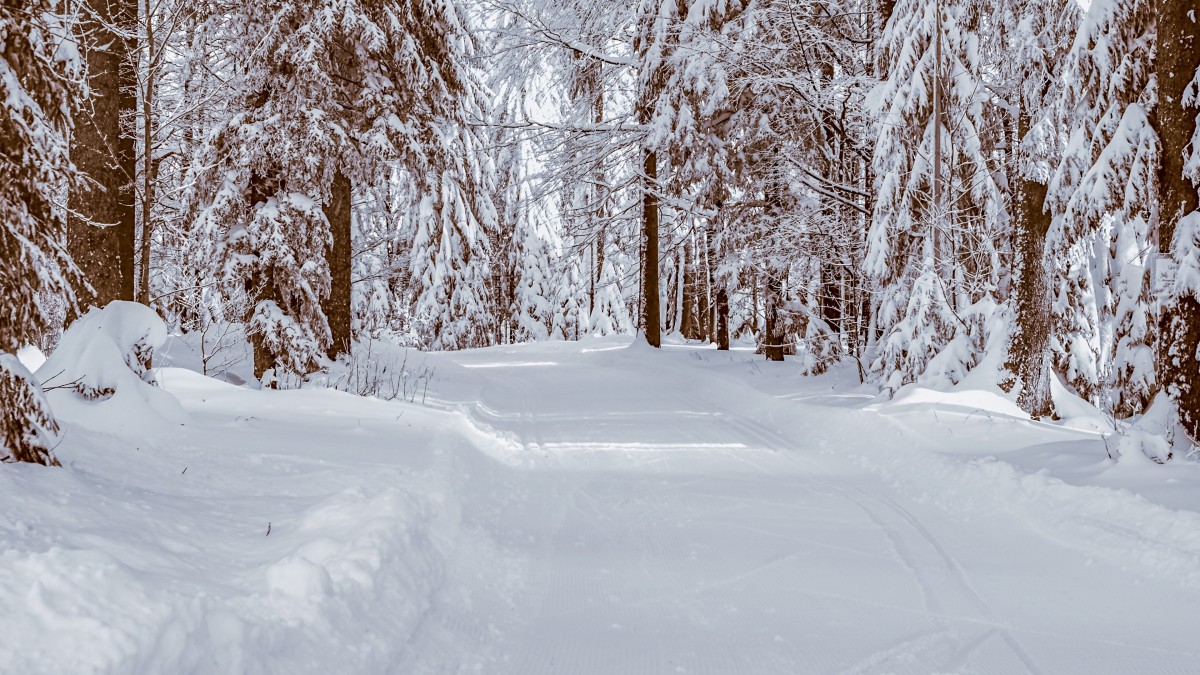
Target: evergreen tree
[[39, 70], [931, 241], [1103, 199], [1178, 74], [328, 94], [1030, 46]]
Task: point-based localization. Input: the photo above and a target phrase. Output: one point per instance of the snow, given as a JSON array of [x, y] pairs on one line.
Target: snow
[[97, 376], [590, 507]]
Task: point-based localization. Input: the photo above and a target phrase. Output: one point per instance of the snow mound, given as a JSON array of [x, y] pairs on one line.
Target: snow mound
[[1147, 439], [352, 581], [31, 357], [100, 374], [1075, 412], [986, 400]]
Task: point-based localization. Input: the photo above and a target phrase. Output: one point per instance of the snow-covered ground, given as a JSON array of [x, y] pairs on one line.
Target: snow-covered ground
[[595, 508]]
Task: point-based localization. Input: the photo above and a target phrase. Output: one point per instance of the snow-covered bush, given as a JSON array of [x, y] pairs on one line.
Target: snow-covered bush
[[30, 434], [100, 372], [384, 369]]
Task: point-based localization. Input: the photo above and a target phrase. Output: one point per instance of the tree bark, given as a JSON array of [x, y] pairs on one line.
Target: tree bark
[[262, 287], [773, 326], [100, 225], [1177, 61], [650, 301], [772, 340], [337, 306], [722, 317], [1029, 350]]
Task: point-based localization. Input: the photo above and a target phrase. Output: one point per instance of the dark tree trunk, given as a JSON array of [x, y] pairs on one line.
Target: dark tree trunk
[[149, 168], [722, 317], [688, 322], [1029, 351], [1178, 60], [337, 305], [100, 227], [773, 326], [263, 288], [720, 285], [754, 306], [650, 300], [831, 301], [772, 339], [260, 287]]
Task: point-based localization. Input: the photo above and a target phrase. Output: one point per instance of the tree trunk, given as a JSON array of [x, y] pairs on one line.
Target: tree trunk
[[722, 317], [262, 287], [772, 338], [1177, 61], [337, 306], [650, 300], [100, 225], [1029, 351], [149, 167], [754, 306], [773, 326], [692, 323]]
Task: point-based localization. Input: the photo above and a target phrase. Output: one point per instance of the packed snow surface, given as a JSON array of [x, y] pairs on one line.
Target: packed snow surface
[[594, 508]]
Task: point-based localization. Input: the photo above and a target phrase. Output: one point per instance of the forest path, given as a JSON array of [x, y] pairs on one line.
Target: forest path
[[676, 519]]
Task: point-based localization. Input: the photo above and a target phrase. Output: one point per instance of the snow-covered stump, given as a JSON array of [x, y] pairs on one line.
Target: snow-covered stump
[[100, 375]]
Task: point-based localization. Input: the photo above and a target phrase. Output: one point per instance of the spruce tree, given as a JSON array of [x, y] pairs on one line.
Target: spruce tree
[[1103, 198], [38, 84]]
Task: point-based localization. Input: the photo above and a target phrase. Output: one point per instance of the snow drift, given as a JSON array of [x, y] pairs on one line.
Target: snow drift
[[100, 376]]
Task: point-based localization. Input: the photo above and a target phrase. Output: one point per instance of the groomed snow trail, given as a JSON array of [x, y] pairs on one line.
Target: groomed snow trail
[[586, 509], [676, 520]]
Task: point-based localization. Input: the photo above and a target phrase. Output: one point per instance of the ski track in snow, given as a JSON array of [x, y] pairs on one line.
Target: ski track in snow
[[644, 572], [577, 510]]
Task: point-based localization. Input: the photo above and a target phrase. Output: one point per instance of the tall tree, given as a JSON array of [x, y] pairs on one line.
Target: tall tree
[[1177, 69], [100, 227], [1104, 199], [933, 230], [39, 69], [330, 93], [1033, 50]]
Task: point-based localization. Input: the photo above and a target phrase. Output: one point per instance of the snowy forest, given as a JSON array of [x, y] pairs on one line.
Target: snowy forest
[[454, 206], [931, 189]]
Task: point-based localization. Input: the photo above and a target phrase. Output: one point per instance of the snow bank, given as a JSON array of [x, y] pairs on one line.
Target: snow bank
[[1110, 524], [1075, 412], [100, 377], [1147, 438], [991, 401], [350, 581]]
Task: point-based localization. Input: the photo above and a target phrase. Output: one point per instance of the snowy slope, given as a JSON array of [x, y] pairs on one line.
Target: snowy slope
[[593, 508]]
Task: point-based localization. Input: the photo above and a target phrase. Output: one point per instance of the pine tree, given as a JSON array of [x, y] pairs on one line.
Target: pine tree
[[329, 94], [1103, 195], [1033, 49], [930, 244], [38, 84]]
